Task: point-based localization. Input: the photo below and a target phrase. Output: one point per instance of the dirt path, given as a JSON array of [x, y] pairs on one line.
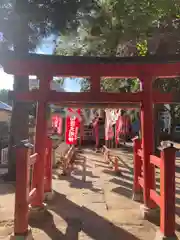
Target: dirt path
[[99, 208]]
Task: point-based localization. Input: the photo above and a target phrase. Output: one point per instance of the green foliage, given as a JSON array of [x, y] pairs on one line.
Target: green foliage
[[119, 85], [125, 27], [44, 18], [170, 85], [60, 80], [85, 85], [4, 96], [121, 28], [142, 48]]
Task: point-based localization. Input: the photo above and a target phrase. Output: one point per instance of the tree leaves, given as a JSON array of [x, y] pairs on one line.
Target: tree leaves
[[44, 17], [4, 96]]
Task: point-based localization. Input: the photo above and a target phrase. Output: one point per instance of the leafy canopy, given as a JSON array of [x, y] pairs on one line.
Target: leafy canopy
[[126, 28], [44, 17]]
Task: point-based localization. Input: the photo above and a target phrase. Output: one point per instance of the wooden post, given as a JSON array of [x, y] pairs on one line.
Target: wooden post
[[106, 154], [137, 191], [81, 139], [41, 137], [95, 84], [167, 192], [116, 165], [95, 89], [147, 130], [21, 203], [48, 170], [96, 130], [84, 170]]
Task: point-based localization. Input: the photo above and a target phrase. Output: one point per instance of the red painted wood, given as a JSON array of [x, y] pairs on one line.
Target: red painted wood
[[32, 195], [147, 130], [48, 167], [33, 158], [116, 165], [95, 83], [167, 191], [83, 97], [22, 191], [141, 182], [155, 197], [140, 153], [137, 165], [86, 97], [40, 145], [155, 160], [24, 67], [163, 97]]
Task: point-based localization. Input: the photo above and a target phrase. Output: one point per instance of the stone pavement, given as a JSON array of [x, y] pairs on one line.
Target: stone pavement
[[99, 208]]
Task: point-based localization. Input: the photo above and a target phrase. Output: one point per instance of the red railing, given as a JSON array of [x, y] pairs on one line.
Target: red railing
[[138, 173], [166, 199], [111, 159], [32, 188], [26, 187], [68, 160]]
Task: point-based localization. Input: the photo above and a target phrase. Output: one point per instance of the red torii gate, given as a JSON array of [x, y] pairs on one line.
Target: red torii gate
[[45, 67]]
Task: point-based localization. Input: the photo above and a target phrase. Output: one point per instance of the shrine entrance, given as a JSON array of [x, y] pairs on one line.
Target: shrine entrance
[[146, 69]]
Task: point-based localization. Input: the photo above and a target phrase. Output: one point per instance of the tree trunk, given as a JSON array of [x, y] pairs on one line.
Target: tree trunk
[[19, 128], [20, 115]]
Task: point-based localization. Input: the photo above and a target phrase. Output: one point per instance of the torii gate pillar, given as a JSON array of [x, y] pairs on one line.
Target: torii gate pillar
[[41, 140], [147, 131]]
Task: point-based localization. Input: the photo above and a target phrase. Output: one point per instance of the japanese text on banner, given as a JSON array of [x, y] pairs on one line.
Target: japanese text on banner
[[72, 127]]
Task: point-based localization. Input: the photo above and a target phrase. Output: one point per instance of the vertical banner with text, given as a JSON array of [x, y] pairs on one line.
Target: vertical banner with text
[[72, 126], [57, 123]]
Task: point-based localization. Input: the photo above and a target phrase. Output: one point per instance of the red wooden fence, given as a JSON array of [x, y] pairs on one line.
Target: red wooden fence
[[26, 190], [166, 199]]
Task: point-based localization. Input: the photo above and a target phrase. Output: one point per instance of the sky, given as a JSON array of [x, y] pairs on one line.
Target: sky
[[46, 47]]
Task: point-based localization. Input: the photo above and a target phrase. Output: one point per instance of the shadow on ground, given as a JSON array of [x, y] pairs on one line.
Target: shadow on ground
[[78, 219], [78, 183], [6, 188], [125, 182]]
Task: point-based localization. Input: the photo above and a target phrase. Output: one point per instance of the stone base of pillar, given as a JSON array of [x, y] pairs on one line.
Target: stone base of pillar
[[28, 236], [137, 196], [38, 213], [160, 236], [152, 214], [48, 196], [38, 209]]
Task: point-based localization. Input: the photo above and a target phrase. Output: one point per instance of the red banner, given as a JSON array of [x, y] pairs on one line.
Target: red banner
[[96, 130], [109, 133], [57, 123], [72, 127], [123, 125]]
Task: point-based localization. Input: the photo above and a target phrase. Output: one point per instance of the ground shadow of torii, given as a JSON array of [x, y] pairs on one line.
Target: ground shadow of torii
[[78, 219]]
